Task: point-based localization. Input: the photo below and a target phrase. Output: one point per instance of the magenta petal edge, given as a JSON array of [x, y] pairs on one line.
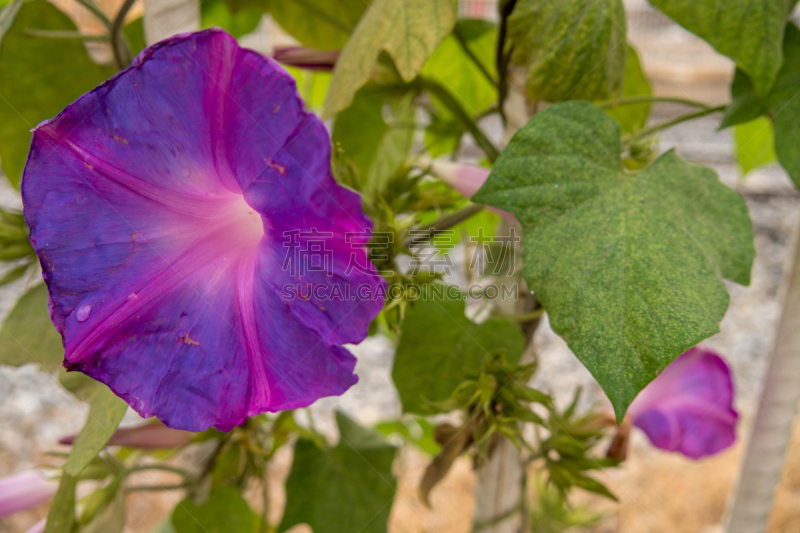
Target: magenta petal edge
[[160, 204], [688, 408]]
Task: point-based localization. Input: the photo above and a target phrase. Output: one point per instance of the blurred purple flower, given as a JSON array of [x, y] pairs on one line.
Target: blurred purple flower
[[160, 205], [147, 437], [25, 490], [464, 178], [688, 408], [307, 58]]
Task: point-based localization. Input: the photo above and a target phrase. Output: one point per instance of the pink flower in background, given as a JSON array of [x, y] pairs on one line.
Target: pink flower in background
[[464, 178], [688, 408], [151, 436], [161, 205], [25, 490]]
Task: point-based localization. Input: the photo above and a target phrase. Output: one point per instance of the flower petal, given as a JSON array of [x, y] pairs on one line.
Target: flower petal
[[689, 407], [25, 490], [159, 205]]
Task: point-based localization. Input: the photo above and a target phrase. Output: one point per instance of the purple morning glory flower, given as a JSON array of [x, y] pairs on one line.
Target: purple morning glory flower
[[169, 207], [25, 490], [688, 408]]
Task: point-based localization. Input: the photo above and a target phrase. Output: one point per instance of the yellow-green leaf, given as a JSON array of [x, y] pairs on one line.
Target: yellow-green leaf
[[634, 116], [61, 516], [574, 49], [27, 335], [409, 30], [755, 145], [38, 78], [105, 414]]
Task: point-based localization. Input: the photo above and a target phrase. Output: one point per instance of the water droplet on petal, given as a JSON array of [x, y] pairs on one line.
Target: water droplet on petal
[[83, 313]]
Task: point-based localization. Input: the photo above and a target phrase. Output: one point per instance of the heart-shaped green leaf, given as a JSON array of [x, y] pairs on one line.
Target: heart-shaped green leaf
[[628, 265], [344, 489], [409, 30], [439, 343]]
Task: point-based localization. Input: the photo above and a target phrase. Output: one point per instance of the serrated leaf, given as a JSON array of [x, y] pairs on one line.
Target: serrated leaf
[[61, 516], [629, 266], [38, 78], [439, 343], [574, 49], [632, 117], [105, 413], [344, 489], [748, 31], [409, 30], [225, 511], [27, 335], [781, 104], [755, 144]]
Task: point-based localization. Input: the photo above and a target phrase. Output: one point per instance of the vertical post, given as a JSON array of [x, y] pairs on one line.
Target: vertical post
[[777, 408], [499, 499]]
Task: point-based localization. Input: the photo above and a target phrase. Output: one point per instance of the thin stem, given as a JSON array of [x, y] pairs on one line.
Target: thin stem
[[446, 222], [668, 124], [524, 317], [91, 6], [447, 99], [153, 488], [55, 34], [501, 58], [650, 99], [467, 50], [165, 468], [265, 496], [119, 44]]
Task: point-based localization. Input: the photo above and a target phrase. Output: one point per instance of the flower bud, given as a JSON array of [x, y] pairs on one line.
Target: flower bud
[[688, 408], [25, 490], [147, 437], [307, 58]]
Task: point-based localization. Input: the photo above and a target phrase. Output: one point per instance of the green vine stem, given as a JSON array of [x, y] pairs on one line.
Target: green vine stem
[[646, 132], [449, 101], [467, 50], [119, 44], [92, 7], [441, 224], [56, 34], [502, 58], [652, 99]]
